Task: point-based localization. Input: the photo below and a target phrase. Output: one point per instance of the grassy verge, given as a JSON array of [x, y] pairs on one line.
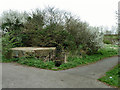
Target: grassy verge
[[76, 61], [73, 61], [112, 77], [32, 62]]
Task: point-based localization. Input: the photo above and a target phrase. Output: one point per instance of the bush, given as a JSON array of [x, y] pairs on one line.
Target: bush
[[8, 43], [52, 28], [12, 22]]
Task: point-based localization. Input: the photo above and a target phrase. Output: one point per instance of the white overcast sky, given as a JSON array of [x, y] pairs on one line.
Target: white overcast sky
[[95, 12]]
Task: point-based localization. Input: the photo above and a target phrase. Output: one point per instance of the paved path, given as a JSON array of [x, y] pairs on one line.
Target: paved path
[[18, 76]]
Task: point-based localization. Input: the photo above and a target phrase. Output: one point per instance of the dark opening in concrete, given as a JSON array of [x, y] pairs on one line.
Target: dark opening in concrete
[[58, 63]]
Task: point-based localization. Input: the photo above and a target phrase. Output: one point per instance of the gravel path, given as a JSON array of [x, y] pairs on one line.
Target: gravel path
[[18, 76]]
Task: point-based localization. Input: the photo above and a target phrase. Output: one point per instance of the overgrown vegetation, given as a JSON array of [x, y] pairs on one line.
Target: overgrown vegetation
[[52, 28], [73, 61], [32, 62], [49, 27], [112, 77], [110, 39]]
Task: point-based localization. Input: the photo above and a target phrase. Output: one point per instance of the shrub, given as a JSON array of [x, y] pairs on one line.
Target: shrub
[[8, 43], [52, 27], [12, 22]]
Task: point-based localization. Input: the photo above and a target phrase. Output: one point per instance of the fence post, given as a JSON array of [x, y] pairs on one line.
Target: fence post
[[65, 59]]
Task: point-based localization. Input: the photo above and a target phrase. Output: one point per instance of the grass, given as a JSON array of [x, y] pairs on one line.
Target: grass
[[108, 39], [111, 36], [76, 61], [112, 77], [73, 61], [32, 62], [110, 45]]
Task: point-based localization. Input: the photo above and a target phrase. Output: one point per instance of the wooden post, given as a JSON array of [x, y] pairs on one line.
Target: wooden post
[[49, 56], [65, 60]]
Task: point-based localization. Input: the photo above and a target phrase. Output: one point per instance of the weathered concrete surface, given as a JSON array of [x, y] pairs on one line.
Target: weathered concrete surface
[[39, 52], [18, 76]]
